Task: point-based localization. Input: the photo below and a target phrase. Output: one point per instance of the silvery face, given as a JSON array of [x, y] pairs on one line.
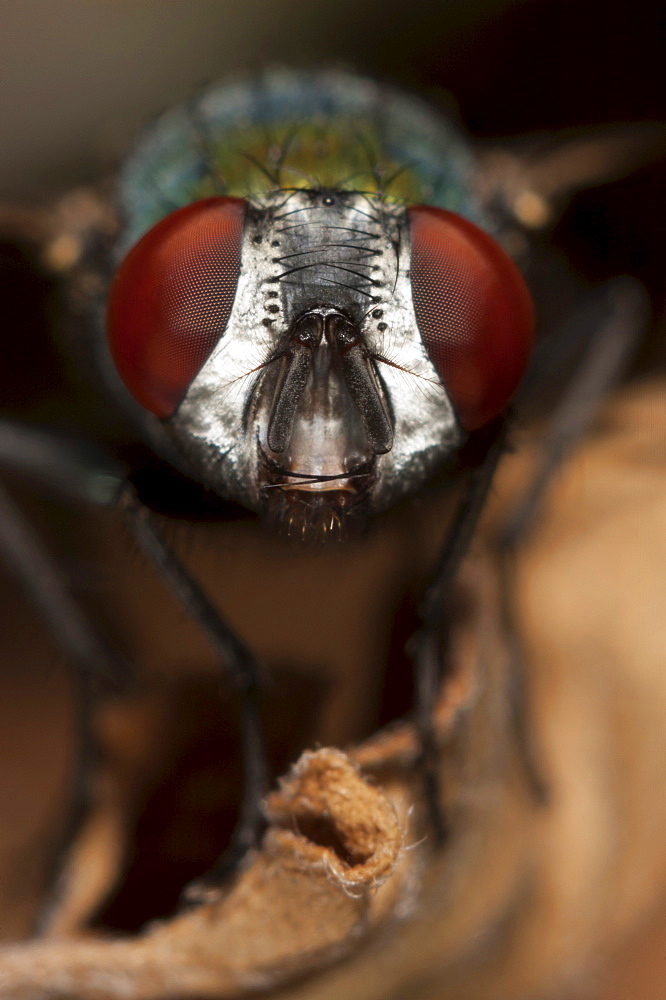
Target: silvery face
[[319, 403]]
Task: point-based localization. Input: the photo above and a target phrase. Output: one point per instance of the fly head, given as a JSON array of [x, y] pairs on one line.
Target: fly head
[[319, 405]]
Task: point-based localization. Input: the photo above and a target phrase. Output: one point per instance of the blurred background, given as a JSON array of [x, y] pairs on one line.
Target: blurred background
[[79, 78]]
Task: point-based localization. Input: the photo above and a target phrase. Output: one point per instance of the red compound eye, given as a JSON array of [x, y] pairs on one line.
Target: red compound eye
[[171, 298], [473, 310]]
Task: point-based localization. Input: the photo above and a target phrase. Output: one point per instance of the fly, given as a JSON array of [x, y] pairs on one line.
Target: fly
[[314, 348], [339, 315], [311, 310]]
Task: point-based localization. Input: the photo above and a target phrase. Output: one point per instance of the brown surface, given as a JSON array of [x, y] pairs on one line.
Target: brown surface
[[525, 901], [76, 82]]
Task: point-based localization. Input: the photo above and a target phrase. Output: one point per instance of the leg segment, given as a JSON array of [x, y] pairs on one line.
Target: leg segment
[[238, 662], [430, 649], [96, 668], [620, 309], [71, 468]]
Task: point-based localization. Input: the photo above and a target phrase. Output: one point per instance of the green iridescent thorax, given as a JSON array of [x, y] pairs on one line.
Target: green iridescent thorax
[[342, 153], [290, 129]]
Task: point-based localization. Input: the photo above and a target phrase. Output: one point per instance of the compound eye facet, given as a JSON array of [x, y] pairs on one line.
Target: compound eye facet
[[473, 311], [171, 299]]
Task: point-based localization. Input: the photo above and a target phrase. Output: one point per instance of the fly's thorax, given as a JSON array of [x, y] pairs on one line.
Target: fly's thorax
[[320, 400]]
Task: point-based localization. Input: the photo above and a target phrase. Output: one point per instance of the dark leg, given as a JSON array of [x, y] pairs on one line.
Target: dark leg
[[242, 668], [519, 682], [91, 477], [622, 309], [620, 325], [95, 668], [430, 651]]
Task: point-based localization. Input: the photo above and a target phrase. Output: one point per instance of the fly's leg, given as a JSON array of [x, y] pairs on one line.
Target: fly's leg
[[621, 311], [96, 670], [611, 346], [240, 665], [76, 471], [430, 653]]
